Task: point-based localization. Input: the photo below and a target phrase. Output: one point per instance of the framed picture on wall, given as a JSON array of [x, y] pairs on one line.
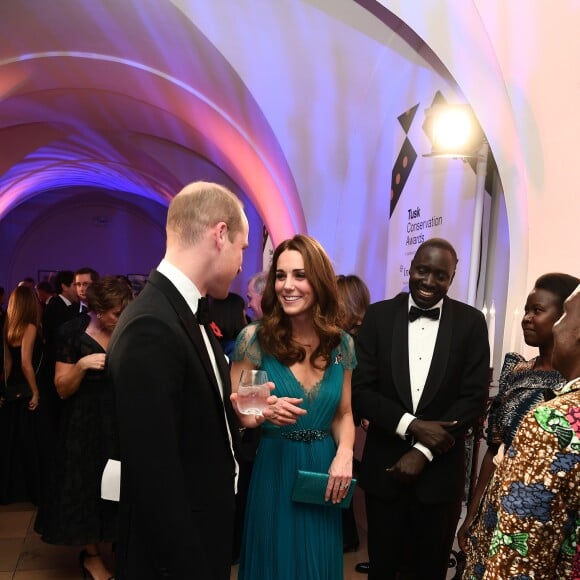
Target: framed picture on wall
[[47, 276], [137, 282]]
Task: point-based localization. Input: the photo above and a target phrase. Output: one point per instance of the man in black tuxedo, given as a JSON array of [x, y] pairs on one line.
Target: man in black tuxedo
[[60, 308], [84, 277], [421, 380], [178, 429]]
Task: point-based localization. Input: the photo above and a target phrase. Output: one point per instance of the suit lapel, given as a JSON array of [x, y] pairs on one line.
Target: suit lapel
[[188, 321], [440, 355], [220, 360], [193, 331], [400, 353]]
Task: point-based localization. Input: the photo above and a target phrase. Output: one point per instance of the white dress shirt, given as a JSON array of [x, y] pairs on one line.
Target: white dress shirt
[[422, 338]]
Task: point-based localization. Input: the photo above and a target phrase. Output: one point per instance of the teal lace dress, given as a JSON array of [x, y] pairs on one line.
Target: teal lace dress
[[284, 540]]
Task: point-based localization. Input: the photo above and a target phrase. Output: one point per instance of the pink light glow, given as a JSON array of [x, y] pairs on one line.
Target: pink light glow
[[251, 158]]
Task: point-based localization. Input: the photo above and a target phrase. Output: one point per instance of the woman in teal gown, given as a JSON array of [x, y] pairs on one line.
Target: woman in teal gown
[[309, 422]]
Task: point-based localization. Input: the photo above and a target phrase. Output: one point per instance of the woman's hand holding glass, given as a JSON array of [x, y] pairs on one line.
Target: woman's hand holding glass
[[253, 399], [278, 410], [253, 392]]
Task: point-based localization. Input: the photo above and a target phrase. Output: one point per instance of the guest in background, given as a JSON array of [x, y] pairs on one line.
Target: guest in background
[[421, 380], [354, 296], [58, 311], [84, 277], [22, 348], [522, 385], [2, 298], [45, 293], [309, 359], [125, 278], [228, 317], [62, 308], [28, 281], [537, 510], [256, 287], [75, 514], [2, 319]]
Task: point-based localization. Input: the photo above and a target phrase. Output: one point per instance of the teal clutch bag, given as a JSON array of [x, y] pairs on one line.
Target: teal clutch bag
[[310, 487]]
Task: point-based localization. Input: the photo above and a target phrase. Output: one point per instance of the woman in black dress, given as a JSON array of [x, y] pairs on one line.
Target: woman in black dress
[[20, 477], [76, 514], [354, 297]]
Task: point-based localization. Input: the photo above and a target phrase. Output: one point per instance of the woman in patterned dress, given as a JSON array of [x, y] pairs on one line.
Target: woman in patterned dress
[[310, 427], [537, 507], [522, 385]]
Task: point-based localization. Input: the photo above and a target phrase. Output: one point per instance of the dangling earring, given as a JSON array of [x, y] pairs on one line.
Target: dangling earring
[[99, 315]]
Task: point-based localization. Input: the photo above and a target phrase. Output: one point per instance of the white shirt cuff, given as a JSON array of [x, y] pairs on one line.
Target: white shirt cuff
[[424, 450], [403, 425]]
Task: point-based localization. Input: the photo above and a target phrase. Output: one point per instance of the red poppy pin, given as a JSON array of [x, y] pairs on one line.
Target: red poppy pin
[[216, 330]]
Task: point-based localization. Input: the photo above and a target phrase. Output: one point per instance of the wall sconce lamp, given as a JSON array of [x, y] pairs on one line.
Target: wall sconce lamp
[[453, 130], [455, 133]]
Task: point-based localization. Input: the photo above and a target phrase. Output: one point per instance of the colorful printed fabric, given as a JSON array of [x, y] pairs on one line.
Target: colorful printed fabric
[[521, 388], [533, 513]]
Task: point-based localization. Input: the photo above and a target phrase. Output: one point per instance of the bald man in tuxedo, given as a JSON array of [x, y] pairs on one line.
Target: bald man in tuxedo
[[421, 380]]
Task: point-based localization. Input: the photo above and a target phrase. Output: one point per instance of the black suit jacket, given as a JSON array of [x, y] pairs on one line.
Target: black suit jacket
[[54, 315], [177, 485], [456, 389]]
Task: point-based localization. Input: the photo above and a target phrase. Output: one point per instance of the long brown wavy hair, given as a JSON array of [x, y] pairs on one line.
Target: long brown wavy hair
[[275, 332], [354, 297], [22, 310]]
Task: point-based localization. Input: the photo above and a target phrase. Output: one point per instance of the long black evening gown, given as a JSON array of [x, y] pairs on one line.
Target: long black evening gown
[[74, 513]]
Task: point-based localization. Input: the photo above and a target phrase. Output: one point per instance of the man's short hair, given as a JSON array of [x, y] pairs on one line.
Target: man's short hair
[[201, 205], [440, 243], [93, 273], [45, 286], [63, 277]]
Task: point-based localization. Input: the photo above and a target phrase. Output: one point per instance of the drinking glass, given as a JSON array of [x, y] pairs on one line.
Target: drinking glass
[[253, 392]]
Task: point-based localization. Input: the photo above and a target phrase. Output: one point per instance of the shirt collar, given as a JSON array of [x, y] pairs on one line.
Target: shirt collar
[[65, 300], [413, 303], [183, 284]]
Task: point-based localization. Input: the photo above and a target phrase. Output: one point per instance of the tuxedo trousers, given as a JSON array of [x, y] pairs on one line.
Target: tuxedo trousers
[[408, 538]]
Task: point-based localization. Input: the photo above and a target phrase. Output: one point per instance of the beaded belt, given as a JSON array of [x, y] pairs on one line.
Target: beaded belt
[[304, 435]]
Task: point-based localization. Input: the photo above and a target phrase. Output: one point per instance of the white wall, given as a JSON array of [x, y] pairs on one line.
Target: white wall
[[517, 63]]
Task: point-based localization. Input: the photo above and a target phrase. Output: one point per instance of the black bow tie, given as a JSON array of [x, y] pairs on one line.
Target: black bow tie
[[415, 313], [202, 313]]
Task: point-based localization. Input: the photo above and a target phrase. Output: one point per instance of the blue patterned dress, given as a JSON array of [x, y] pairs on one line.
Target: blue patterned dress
[[284, 540]]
